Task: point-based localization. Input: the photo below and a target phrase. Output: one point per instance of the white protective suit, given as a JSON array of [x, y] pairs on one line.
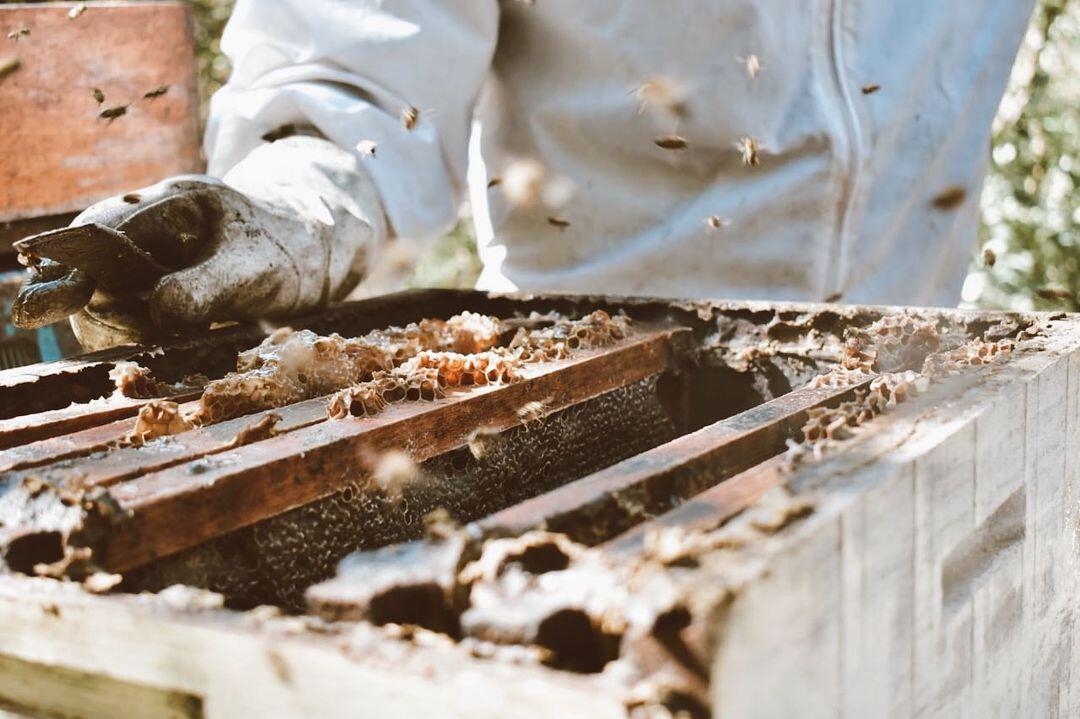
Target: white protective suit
[[841, 203]]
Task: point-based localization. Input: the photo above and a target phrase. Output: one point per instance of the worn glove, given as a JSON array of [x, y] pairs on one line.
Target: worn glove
[[290, 229]]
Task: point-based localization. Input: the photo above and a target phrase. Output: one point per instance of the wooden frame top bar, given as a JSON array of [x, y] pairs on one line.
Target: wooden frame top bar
[[595, 508], [176, 508]]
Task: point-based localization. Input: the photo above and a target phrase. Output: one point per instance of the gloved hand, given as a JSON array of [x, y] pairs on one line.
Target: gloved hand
[[288, 231]]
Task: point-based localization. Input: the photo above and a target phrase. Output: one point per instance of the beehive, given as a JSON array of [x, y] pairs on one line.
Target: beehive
[[596, 507]]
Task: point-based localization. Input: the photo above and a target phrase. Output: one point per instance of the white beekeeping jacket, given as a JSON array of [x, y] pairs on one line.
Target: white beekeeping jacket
[[872, 118]]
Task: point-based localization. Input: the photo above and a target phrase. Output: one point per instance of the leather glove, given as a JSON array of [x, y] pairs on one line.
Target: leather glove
[[288, 230]]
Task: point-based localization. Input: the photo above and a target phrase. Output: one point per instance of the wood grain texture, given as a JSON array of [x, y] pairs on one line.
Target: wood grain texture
[[240, 668], [56, 154], [958, 555]]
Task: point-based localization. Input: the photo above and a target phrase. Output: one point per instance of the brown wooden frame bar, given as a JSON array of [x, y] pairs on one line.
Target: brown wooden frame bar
[[707, 510], [175, 509], [595, 508]]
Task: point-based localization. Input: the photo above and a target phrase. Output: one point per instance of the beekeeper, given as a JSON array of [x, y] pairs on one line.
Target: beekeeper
[[772, 149]]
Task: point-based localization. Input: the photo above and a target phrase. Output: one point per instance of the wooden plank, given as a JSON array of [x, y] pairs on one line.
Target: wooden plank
[[779, 641], [56, 385], [43, 425], [596, 508], [123, 463], [707, 510], [177, 508], [877, 544], [1050, 549], [243, 667], [126, 50], [998, 637], [944, 515], [68, 446], [958, 553], [41, 689]]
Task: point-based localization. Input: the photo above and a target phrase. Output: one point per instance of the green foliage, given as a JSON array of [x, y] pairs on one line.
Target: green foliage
[[1030, 204], [210, 17]]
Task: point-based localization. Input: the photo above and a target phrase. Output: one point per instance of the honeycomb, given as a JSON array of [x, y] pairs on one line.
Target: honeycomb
[[158, 418], [840, 377], [596, 329], [291, 366], [362, 400], [429, 372], [975, 353], [891, 342], [464, 370], [134, 381], [894, 342]]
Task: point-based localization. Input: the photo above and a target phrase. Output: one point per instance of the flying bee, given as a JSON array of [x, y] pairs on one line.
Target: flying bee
[[671, 142], [480, 440], [1054, 293], [950, 198], [111, 113], [76, 11], [717, 222], [409, 117], [494, 182], [556, 222], [753, 65], [870, 89], [662, 94], [392, 471], [156, 92], [367, 147], [20, 32], [132, 198], [749, 148], [523, 182], [9, 66], [534, 411], [989, 257], [97, 94]]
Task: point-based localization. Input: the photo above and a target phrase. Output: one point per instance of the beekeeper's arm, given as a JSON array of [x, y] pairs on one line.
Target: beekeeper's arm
[[293, 221]]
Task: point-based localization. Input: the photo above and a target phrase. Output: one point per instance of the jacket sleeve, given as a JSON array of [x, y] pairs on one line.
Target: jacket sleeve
[[351, 69]]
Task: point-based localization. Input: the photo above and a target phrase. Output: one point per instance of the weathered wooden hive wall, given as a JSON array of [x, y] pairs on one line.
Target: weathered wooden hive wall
[[737, 509]]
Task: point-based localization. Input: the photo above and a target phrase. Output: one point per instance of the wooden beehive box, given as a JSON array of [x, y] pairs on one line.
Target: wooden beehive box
[[923, 562], [57, 156]]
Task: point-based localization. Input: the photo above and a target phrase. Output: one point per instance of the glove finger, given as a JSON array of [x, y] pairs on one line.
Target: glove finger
[[43, 302]]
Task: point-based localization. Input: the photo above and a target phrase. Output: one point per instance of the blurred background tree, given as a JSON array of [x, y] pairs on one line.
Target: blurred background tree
[[1030, 242], [1030, 204]]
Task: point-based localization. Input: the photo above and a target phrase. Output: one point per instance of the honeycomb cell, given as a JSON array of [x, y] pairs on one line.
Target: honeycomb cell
[[158, 418], [134, 381]]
